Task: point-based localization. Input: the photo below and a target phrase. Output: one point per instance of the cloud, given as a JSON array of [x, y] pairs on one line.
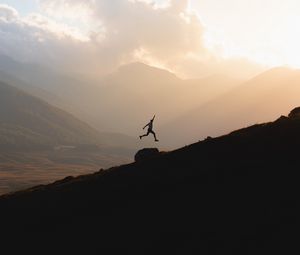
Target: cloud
[[166, 31], [94, 36], [36, 38], [8, 13]]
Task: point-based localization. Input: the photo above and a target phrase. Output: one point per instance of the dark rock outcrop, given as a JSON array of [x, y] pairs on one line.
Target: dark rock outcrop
[[146, 154], [295, 113]]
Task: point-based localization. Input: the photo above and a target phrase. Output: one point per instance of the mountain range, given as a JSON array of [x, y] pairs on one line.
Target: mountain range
[[121, 101], [186, 110], [234, 194]]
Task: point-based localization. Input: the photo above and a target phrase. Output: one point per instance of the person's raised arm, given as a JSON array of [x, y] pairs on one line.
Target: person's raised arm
[[153, 117], [146, 126]]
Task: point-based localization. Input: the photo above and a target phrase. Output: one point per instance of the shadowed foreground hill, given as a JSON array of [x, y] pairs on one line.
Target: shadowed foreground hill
[[236, 194]]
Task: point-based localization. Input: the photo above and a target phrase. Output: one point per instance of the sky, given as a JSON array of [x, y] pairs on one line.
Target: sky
[[190, 37], [23, 6]]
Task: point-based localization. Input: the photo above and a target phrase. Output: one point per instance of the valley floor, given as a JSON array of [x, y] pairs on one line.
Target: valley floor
[[23, 170]]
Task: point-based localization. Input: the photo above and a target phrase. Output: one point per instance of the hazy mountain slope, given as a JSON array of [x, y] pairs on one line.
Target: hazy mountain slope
[[27, 120], [29, 117], [259, 99], [235, 194], [39, 76], [32, 90], [56, 88], [129, 97]]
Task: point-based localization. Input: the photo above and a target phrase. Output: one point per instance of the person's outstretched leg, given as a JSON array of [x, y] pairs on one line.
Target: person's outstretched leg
[[141, 136], [152, 132]]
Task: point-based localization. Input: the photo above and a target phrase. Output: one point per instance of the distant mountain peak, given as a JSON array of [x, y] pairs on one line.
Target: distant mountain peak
[[144, 69], [278, 71]]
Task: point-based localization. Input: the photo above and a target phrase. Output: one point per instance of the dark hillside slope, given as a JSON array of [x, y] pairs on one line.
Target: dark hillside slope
[[236, 194]]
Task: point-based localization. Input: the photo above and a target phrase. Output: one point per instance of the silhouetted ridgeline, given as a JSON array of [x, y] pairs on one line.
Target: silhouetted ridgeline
[[236, 194]]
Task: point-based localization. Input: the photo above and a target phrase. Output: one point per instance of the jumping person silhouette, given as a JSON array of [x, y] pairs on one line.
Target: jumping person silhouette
[[150, 130]]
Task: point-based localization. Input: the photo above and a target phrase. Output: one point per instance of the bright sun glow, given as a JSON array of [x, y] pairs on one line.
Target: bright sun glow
[[262, 31], [280, 46]]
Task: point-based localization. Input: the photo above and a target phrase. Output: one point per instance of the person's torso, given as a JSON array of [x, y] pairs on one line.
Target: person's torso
[[150, 125]]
